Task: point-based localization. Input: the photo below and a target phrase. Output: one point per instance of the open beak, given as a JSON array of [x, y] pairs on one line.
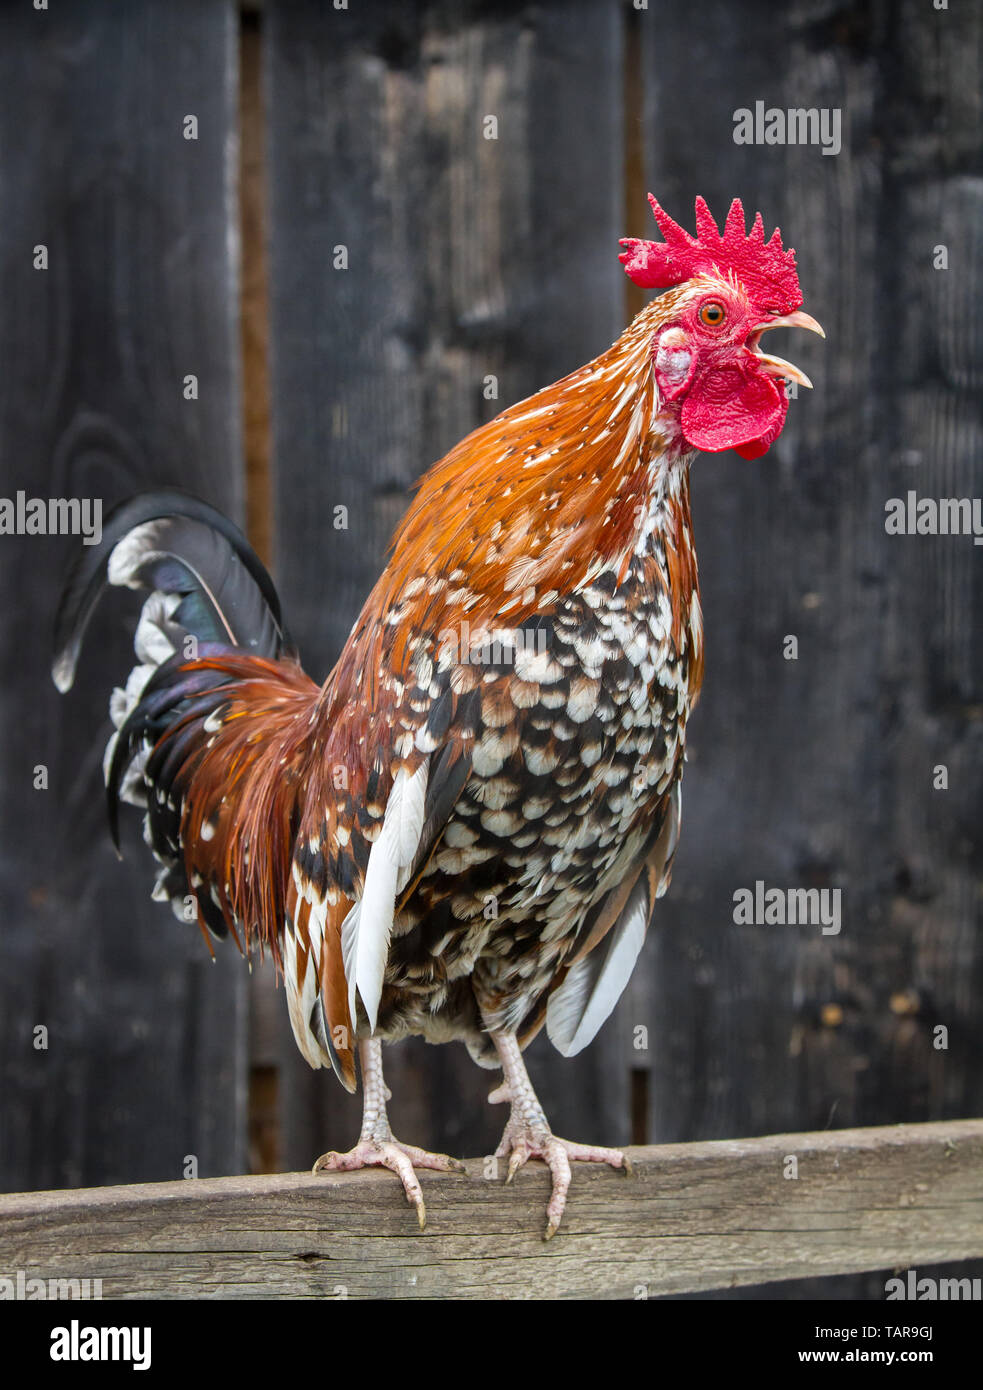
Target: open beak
[[777, 366]]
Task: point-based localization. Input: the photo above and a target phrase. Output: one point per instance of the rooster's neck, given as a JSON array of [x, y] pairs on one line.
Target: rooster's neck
[[581, 478]]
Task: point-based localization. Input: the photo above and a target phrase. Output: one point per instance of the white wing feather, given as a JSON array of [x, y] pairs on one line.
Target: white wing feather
[[367, 930], [573, 1016]]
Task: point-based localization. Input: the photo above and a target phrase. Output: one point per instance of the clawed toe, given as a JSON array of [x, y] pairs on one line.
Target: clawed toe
[[401, 1159], [521, 1144], [422, 1158]]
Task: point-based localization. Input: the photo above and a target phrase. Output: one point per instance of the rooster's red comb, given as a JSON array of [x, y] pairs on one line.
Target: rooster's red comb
[[765, 269]]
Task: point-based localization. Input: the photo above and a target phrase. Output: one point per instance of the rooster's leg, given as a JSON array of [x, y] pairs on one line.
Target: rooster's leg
[[376, 1146], [528, 1135]]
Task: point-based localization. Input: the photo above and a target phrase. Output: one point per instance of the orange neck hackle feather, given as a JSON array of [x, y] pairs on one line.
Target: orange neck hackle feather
[[527, 508]]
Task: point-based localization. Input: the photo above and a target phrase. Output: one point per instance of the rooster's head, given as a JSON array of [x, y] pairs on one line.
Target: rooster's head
[[729, 289]]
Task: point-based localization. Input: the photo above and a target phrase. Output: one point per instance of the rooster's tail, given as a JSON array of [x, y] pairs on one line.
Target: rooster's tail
[[210, 642]]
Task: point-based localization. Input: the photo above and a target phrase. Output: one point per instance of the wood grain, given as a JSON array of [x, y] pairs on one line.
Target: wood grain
[[694, 1216]]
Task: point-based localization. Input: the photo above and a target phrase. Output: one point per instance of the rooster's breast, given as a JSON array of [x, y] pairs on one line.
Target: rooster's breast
[[578, 742]]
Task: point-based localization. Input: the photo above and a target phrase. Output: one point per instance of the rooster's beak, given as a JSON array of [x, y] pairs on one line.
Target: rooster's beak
[[777, 366]]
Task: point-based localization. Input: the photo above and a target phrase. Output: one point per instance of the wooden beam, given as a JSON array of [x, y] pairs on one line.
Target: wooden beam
[[694, 1216]]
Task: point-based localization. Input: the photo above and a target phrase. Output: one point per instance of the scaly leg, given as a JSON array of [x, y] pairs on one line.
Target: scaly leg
[[376, 1145], [528, 1135]]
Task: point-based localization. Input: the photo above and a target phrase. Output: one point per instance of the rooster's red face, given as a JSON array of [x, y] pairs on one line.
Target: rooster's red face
[[734, 287], [709, 358]]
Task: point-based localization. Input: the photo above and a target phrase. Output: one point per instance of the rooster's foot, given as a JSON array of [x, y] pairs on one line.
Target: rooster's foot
[[376, 1147], [523, 1140], [383, 1151], [528, 1135]]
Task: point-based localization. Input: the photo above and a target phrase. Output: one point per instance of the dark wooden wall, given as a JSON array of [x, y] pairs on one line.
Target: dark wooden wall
[[470, 257], [146, 1039], [820, 771]]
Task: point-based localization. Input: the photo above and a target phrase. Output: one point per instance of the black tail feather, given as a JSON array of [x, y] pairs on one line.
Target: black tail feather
[[192, 552]]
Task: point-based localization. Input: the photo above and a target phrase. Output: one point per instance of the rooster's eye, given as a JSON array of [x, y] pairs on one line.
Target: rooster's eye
[[712, 314]]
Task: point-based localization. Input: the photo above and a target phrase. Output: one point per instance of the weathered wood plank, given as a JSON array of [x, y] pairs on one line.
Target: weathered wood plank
[[468, 258], [695, 1216], [145, 1038]]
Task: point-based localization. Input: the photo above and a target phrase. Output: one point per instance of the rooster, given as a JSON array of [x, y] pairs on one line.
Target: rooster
[[463, 832]]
